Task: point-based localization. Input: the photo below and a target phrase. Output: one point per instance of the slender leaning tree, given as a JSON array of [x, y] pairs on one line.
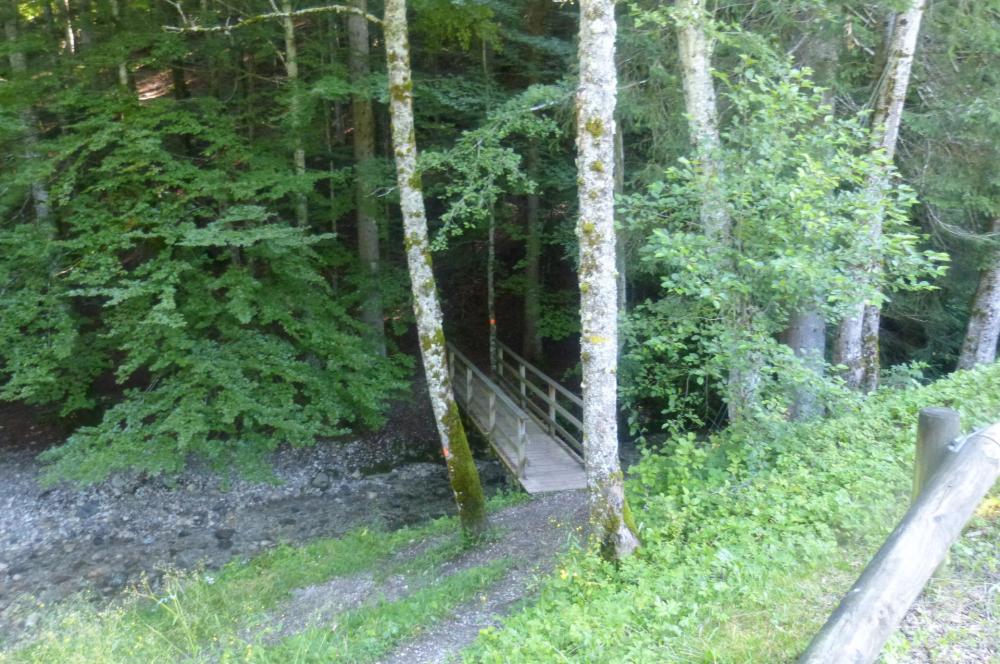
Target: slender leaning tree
[[426, 308], [856, 346], [610, 520]]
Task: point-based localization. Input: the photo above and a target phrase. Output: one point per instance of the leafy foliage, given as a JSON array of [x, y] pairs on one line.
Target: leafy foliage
[[736, 526], [167, 266], [794, 183]]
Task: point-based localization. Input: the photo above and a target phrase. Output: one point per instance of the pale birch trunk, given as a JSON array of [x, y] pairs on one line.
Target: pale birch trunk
[[620, 238], [695, 51], [295, 109], [980, 346], [19, 66], [426, 308], [858, 335], [364, 159], [610, 520]]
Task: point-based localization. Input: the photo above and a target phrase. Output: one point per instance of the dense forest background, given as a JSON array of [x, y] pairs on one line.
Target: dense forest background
[[201, 250]]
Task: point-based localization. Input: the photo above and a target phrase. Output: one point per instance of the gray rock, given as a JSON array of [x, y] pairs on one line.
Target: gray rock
[[320, 481], [224, 534]]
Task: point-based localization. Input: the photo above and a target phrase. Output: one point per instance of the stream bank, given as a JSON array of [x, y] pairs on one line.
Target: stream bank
[[58, 541]]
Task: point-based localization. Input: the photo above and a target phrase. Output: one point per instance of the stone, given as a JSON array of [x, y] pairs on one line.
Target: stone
[[224, 534], [320, 481]]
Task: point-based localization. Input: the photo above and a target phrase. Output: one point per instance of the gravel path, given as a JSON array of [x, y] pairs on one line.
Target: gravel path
[[531, 536]]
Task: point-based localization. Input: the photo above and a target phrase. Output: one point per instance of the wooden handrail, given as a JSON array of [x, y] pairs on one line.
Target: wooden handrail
[[495, 395], [877, 602], [572, 398], [549, 411]]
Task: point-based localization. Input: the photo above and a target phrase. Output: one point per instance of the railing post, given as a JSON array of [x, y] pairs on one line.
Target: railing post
[[552, 409], [500, 361], [451, 366], [522, 455], [468, 385], [493, 410], [936, 429], [521, 380]]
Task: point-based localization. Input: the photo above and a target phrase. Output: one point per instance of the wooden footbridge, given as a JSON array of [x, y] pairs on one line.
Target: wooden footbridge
[[532, 422]]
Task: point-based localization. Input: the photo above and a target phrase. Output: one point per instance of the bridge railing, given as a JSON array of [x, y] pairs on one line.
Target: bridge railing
[[952, 475], [552, 405], [472, 385]]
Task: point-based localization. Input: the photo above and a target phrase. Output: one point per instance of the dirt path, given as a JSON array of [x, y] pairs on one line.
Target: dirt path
[[530, 536]]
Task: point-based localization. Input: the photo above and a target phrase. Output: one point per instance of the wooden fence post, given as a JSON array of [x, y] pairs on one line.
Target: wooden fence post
[[936, 429]]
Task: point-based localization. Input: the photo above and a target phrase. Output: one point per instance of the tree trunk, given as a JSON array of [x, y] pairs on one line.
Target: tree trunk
[[19, 67], [426, 308], [858, 334], [364, 163], [695, 51], [295, 109], [806, 336], [980, 346], [531, 344], [610, 520], [806, 331], [621, 280], [124, 80], [491, 289]]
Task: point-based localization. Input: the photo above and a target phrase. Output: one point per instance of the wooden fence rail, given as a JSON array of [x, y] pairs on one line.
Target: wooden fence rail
[[952, 477], [552, 405], [472, 386]]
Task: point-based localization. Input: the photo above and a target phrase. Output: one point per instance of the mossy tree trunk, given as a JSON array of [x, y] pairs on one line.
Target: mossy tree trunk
[[426, 308], [611, 524], [857, 346], [695, 45], [291, 57], [364, 162], [980, 345]]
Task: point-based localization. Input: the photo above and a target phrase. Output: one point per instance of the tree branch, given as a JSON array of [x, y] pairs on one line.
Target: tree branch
[[260, 18]]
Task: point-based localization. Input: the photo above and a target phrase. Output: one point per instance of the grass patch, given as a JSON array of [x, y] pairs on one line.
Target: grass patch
[[750, 539]]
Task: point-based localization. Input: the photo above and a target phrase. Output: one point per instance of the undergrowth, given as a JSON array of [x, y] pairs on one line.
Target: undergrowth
[[749, 539]]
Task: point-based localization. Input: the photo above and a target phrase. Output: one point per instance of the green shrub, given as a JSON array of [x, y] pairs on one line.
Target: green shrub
[[747, 527], [168, 269]]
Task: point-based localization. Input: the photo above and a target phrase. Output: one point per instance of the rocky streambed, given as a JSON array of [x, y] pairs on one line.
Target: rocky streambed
[[58, 541]]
